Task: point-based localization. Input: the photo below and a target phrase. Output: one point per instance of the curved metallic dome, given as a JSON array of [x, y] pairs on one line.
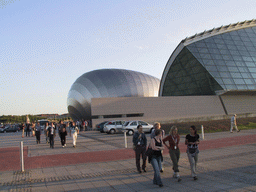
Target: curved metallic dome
[[108, 83]]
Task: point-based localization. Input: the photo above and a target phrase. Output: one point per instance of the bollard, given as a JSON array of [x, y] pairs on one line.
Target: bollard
[[202, 130], [21, 157], [125, 140]]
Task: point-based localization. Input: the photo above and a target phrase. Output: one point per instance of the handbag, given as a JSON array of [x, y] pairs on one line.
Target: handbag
[[149, 151], [134, 147], [191, 150]]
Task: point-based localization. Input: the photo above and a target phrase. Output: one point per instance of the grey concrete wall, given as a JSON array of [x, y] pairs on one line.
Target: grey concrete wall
[[239, 104], [161, 109]]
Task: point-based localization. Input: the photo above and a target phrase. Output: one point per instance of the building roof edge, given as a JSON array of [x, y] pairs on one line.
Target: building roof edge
[[219, 30]]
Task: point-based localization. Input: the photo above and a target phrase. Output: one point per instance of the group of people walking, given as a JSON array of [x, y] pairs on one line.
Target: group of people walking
[[156, 146], [50, 130]]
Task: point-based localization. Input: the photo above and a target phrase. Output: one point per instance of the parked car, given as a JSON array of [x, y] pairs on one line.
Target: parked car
[[10, 128], [100, 126], [43, 122], [131, 126], [113, 127]]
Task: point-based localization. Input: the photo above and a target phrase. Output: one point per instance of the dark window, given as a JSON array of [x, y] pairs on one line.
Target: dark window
[[112, 116], [135, 115]]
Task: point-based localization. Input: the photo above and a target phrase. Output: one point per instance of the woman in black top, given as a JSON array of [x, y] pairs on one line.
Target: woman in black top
[[192, 141], [156, 159]]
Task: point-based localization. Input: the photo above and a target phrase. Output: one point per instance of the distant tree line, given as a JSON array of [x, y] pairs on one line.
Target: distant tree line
[[18, 118], [22, 118]]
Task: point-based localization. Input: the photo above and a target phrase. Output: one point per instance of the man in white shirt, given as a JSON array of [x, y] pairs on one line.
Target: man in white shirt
[[233, 124], [74, 131], [46, 132]]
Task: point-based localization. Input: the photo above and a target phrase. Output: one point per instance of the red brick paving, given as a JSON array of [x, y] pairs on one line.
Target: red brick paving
[[10, 157]]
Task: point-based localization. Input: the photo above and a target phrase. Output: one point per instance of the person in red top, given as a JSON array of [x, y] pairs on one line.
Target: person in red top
[[174, 150], [83, 126]]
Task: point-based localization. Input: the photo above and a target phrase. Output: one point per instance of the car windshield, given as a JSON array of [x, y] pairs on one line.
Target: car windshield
[[43, 123], [126, 123]]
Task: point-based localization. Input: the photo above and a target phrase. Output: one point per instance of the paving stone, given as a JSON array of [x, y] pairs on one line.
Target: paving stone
[[219, 166]]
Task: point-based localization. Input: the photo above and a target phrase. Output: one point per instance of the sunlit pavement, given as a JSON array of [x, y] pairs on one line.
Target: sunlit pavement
[[101, 163]]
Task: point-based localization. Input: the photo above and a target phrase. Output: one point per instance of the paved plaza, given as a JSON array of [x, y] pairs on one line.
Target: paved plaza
[[101, 163]]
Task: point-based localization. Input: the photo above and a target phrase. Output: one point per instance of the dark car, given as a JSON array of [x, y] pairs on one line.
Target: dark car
[[100, 126], [10, 128]]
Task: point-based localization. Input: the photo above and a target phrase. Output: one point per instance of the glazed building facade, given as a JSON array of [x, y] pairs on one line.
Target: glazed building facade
[[212, 62]]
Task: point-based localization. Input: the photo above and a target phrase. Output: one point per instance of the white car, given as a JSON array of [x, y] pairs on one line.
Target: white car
[[113, 127], [131, 126]]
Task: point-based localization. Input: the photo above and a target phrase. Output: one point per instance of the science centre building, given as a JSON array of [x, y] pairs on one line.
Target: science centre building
[[212, 73], [108, 83]]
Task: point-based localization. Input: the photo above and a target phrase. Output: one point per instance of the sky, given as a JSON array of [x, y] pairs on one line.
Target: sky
[[46, 45]]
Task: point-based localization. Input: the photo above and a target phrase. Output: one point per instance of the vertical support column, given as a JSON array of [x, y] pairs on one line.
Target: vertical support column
[[125, 140], [222, 103], [21, 157], [202, 131]]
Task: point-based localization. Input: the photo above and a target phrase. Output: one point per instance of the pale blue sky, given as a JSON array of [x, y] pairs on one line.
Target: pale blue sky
[[46, 45]]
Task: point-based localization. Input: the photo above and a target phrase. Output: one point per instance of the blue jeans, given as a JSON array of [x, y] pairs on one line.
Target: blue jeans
[[156, 164]]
